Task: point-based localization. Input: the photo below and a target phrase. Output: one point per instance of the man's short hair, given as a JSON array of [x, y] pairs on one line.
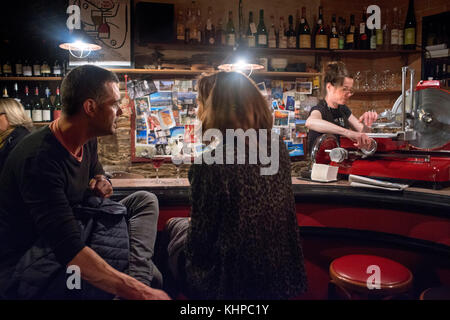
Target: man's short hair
[[84, 82]]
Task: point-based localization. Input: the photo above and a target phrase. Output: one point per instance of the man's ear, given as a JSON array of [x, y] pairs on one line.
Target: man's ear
[[89, 106]]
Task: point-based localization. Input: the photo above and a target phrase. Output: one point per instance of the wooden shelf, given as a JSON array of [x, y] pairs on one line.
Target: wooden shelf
[[378, 92], [31, 78], [380, 53], [174, 72]]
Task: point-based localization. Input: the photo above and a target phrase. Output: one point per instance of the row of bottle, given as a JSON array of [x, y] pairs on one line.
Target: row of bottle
[[17, 68], [37, 108], [391, 35]]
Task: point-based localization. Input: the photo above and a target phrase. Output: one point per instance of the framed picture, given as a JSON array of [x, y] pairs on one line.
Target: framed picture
[[303, 87], [108, 24]]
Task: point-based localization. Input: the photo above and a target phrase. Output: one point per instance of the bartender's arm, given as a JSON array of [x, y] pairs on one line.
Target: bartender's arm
[[316, 123]]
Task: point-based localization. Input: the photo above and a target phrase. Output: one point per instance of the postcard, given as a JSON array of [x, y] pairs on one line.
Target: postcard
[[281, 118], [177, 133], [141, 136], [161, 99], [165, 85], [262, 87], [142, 106], [166, 118], [290, 103], [151, 138], [304, 87], [154, 122]]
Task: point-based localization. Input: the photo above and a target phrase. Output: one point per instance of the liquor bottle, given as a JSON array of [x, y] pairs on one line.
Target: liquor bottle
[[394, 30], [305, 32], [193, 33], [19, 68], [210, 29], [350, 35], [334, 37], [231, 32], [242, 34], [220, 34], [373, 39], [341, 33], [36, 68], [290, 34], [410, 28], [57, 72], [7, 69], [180, 26], [27, 69], [272, 33], [15, 93], [364, 40], [401, 31], [47, 107], [37, 107], [57, 105], [5, 92], [282, 39], [262, 31], [45, 69], [27, 103], [297, 28], [379, 34], [200, 27], [187, 28], [321, 36], [251, 31]]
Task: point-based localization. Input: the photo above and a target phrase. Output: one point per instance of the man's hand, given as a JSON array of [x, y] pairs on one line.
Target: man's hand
[[368, 118], [101, 186], [362, 141]]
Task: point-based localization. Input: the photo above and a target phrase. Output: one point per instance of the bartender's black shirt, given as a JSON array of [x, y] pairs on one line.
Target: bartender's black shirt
[[337, 116], [40, 183]]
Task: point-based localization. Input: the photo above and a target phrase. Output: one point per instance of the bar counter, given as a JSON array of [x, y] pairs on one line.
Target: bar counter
[[335, 219]]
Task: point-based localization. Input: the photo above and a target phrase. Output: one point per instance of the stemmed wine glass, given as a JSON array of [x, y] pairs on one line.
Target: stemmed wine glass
[[366, 85], [357, 80], [157, 161], [177, 160]]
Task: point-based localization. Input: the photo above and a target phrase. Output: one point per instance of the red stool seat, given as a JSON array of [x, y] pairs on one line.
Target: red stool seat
[[350, 273]]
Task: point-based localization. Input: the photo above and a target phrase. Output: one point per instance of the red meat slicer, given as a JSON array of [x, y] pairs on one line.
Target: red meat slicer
[[416, 151]]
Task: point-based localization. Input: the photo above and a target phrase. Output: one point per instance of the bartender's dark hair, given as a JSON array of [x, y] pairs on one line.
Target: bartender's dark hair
[[335, 73], [82, 83]]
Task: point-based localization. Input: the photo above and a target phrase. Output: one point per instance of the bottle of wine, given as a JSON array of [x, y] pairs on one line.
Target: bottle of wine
[[364, 36], [341, 33], [37, 107], [373, 38], [37, 68], [401, 31], [410, 28], [221, 38], [27, 103], [282, 39], [262, 31], [187, 26], [209, 28], [199, 28], [379, 35], [5, 92], [15, 93], [297, 28], [57, 105], [290, 34], [334, 37], [241, 27], [231, 32], [386, 26], [321, 34], [47, 107], [251, 31], [180, 26], [394, 29], [305, 32], [350, 35], [19, 68], [272, 33], [27, 69]]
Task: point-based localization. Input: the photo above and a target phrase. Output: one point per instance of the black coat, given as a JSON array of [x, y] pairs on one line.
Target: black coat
[[13, 139]]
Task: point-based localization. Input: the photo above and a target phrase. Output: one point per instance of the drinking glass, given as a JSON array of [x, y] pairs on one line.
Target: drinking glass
[[374, 82], [177, 161], [366, 86], [357, 80], [385, 81], [157, 162]]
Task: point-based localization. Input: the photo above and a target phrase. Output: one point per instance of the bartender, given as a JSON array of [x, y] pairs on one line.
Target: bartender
[[332, 115]]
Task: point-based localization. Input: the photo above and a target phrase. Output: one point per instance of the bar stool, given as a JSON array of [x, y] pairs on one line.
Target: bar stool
[[350, 274]]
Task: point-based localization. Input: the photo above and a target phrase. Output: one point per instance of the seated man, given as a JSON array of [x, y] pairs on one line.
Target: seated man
[[47, 174], [332, 115]]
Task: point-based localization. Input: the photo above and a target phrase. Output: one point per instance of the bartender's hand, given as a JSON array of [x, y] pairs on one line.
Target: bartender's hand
[[362, 141], [101, 186], [368, 118]]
